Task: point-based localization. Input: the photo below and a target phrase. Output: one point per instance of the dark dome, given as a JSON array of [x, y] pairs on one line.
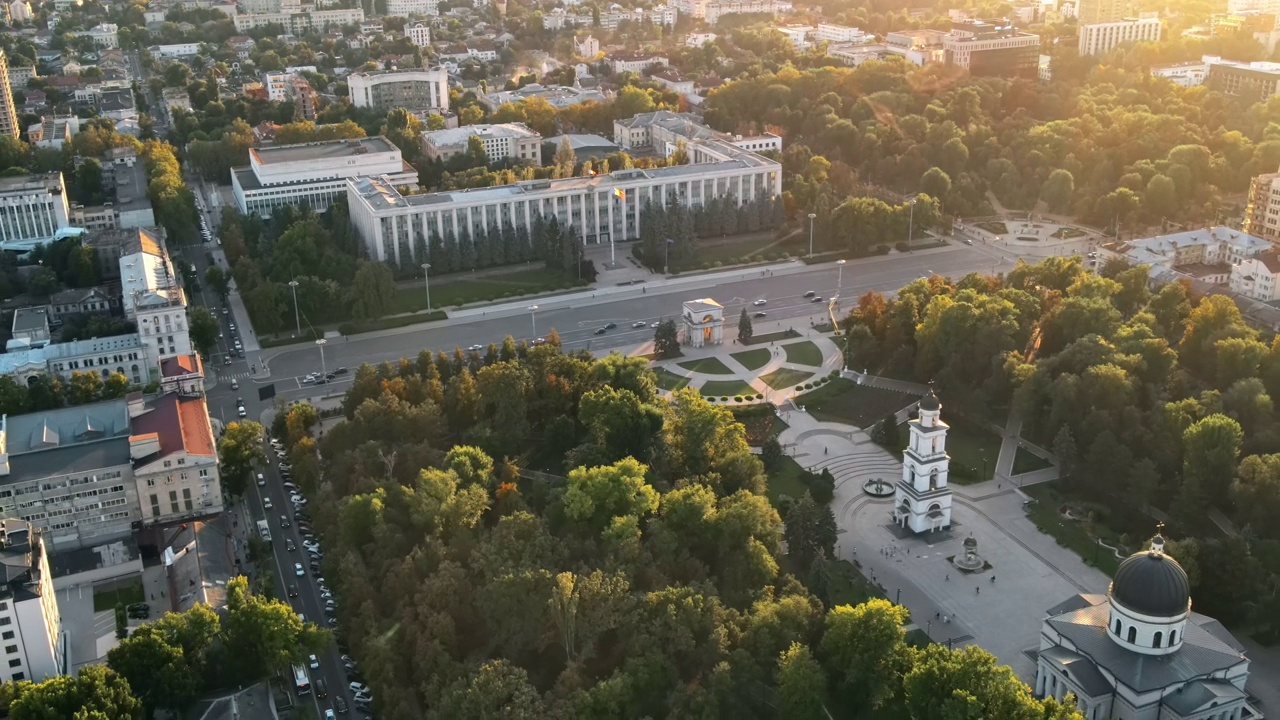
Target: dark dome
[[1152, 583], [930, 402]]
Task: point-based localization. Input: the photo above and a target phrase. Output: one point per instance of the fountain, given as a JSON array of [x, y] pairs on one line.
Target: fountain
[[877, 487], [970, 561]]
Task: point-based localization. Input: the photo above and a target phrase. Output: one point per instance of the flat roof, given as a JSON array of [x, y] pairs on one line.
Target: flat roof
[[460, 136], [31, 183], [323, 150], [30, 318], [82, 458]]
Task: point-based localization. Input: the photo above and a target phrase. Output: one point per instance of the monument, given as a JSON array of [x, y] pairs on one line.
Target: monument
[[703, 322]]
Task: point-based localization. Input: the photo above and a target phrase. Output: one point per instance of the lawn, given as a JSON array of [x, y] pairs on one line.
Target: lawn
[[760, 421], [1067, 233], [1028, 238], [994, 227], [104, 600], [460, 291], [785, 480], [968, 443], [1072, 534], [753, 359], [708, 365], [785, 378], [773, 337], [668, 380], [845, 401], [848, 586], [1026, 461], [726, 388], [804, 353]]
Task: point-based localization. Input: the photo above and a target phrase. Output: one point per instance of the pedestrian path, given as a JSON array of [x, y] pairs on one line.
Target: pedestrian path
[[831, 362]]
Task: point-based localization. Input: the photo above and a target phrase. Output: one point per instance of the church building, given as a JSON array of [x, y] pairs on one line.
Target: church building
[[922, 500], [1140, 653]]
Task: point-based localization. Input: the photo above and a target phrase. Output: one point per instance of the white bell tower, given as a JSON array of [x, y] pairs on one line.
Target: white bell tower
[[922, 500]]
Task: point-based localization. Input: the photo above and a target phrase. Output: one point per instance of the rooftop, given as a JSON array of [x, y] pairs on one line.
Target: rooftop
[[460, 136], [39, 358], [324, 150], [181, 423], [1161, 247], [584, 142], [180, 365], [30, 319], [51, 182]]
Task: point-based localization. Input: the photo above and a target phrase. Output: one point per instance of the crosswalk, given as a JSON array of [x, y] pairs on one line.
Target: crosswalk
[[234, 376]]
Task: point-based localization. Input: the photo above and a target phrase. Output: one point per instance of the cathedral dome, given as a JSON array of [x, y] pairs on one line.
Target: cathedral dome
[[930, 403], [1152, 583]]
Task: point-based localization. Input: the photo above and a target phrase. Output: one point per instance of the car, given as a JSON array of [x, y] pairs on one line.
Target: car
[[601, 331], [309, 544], [340, 705], [329, 376], [328, 712], [346, 659], [293, 591], [967, 241], [363, 698], [262, 480], [639, 324], [290, 486], [242, 412], [315, 662], [341, 371], [284, 521], [760, 302], [266, 503], [816, 298], [224, 310], [322, 691], [297, 500], [235, 384], [226, 360], [611, 326], [289, 546], [760, 313], [139, 611], [232, 326], [333, 621], [358, 688], [475, 348], [297, 570], [810, 293], [654, 324], [308, 380]]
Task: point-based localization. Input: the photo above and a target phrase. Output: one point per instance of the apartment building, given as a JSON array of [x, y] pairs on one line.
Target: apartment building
[[33, 208], [501, 141], [299, 23], [841, 34], [1262, 211], [419, 33], [1099, 38], [992, 48], [1258, 277], [31, 633], [412, 89], [8, 113], [153, 298], [313, 174], [1253, 82], [601, 208], [409, 8], [1105, 11], [635, 62], [712, 10]]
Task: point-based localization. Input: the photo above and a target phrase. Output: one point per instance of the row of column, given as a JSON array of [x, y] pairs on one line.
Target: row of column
[[27, 219]]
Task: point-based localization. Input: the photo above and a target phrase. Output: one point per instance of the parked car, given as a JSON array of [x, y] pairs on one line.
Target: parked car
[[359, 688], [138, 611], [340, 705]]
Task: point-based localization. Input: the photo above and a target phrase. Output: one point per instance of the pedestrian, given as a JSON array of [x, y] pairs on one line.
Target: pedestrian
[[993, 579], [977, 589], [948, 577], [936, 615]]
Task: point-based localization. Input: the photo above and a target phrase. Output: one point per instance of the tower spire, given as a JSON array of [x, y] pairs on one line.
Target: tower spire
[[1157, 542]]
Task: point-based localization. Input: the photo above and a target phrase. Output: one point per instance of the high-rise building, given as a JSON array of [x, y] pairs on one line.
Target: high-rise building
[[1262, 213], [1101, 11], [993, 48], [8, 114], [34, 643], [1099, 38]]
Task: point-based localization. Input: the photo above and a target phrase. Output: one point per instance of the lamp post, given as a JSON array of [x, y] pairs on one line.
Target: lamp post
[[984, 477], [320, 343], [426, 283], [897, 599], [812, 216], [533, 318], [911, 221], [297, 322], [840, 277], [666, 254]]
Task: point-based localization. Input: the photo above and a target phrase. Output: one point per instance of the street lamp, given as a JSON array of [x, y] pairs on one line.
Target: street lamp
[[984, 477], [320, 343], [812, 216], [911, 221], [533, 318], [426, 282], [297, 323], [840, 277], [666, 255]]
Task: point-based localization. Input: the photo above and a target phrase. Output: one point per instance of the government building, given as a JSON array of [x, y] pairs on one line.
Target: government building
[[313, 174], [601, 208], [1140, 653]]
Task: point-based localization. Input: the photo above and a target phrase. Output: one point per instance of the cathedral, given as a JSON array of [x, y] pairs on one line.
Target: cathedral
[[922, 500]]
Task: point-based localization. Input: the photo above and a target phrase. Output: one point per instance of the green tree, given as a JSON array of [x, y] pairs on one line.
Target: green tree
[[264, 635], [116, 386], [936, 183], [864, 651], [238, 449], [1256, 493], [1211, 448], [373, 291], [810, 531], [885, 433], [88, 186], [14, 399], [218, 280], [1058, 190], [496, 689], [86, 387], [802, 684], [94, 693], [565, 159], [968, 683], [204, 329], [597, 495], [745, 330], [666, 341]]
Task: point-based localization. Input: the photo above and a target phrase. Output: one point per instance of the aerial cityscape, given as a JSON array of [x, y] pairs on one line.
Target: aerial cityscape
[[904, 359]]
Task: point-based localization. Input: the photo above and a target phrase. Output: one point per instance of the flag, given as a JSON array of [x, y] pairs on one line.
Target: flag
[[619, 193]]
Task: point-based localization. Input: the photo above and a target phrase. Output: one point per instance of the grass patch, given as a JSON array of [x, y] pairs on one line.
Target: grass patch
[[968, 443], [760, 421], [845, 401], [785, 378], [1026, 461], [753, 359], [1067, 233], [785, 480], [804, 353], [306, 337], [1069, 533], [493, 287], [104, 600], [726, 388], [709, 365], [364, 326], [1028, 238], [994, 226], [848, 586], [773, 337], [668, 380]]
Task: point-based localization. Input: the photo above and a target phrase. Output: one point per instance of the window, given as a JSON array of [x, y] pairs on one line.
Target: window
[[1117, 627], [8, 635], [1173, 638], [1133, 634], [16, 662], [151, 482], [1157, 640], [10, 649]]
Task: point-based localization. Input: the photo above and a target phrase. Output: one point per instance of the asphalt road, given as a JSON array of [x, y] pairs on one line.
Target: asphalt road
[[786, 306]]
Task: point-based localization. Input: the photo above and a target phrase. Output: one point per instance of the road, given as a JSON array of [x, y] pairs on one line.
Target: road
[[577, 322]]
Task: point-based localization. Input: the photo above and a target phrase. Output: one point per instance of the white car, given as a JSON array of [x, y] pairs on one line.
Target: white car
[[310, 545], [262, 481], [654, 324], [639, 324], [309, 380], [359, 688], [297, 500], [475, 348], [760, 302], [242, 412], [266, 503], [298, 570], [315, 662]]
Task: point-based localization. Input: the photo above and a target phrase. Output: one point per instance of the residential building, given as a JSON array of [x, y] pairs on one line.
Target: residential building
[[698, 39], [501, 141], [175, 459], [841, 34], [1262, 211], [610, 19], [992, 48], [299, 23], [19, 11], [601, 208], [30, 328], [1188, 74], [8, 113], [20, 75], [33, 208], [104, 35], [130, 206], [663, 130], [242, 45], [673, 81], [1140, 651], [304, 98], [176, 98], [313, 174], [1253, 82], [1089, 12], [35, 643], [1256, 6], [410, 8], [153, 299], [559, 96], [419, 33], [797, 35], [277, 86], [1258, 277], [588, 47], [635, 62], [1099, 38], [81, 301], [412, 89], [1208, 255], [175, 51], [182, 374], [713, 10]]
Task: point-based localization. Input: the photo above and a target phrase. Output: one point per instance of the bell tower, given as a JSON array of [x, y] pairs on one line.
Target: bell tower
[[922, 500]]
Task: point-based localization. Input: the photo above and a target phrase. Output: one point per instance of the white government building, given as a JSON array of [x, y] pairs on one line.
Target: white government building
[[31, 633], [601, 208], [501, 141], [33, 208], [313, 174], [412, 89]]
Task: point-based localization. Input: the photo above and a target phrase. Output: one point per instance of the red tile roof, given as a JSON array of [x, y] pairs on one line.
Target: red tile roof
[[180, 365], [181, 423]]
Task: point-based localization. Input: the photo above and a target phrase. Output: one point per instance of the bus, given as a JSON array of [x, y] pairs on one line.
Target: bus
[[301, 680], [264, 530]]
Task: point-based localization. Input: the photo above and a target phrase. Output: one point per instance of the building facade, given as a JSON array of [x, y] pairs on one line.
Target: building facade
[[299, 23], [419, 33], [154, 300], [33, 208], [841, 34], [501, 141], [1104, 11], [993, 48], [1257, 277], [713, 10], [8, 111], [1253, 82], [411, 89], [313, 174], [409, 8], [1262, 212], [35, 645], [922, 498], [635, 62], [1099, 38]]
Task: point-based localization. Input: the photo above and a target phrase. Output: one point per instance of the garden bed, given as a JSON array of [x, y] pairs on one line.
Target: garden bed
[[844, 401], [994, 227], [1068, 233], [785, 377], [804, 353], [1026, 461], [773, 337], [760, 421], [726, 388], [710, 365], [668, 380]]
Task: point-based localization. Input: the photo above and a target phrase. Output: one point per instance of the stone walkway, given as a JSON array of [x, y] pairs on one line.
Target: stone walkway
[[831, 362]]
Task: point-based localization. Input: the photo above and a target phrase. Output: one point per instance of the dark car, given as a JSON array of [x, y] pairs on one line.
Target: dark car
[[610, 326], [761, 313], [340, 371], [284, 521], [811, 293], [817, 299], [340, 705], [293, 591], [322, 690], [138, 611], [601, 331]]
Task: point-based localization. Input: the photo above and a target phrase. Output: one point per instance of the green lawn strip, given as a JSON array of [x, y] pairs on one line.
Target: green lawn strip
[[395, 321], [994, 227], [785, 480], [785, 378], [104, 600], [493, 287], [1026, 461], [709, 365], [1069, 533], [773, 337], [845, 401], [967, 444], [804, 353], [752, 359], [726, 388], [668, 380]]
